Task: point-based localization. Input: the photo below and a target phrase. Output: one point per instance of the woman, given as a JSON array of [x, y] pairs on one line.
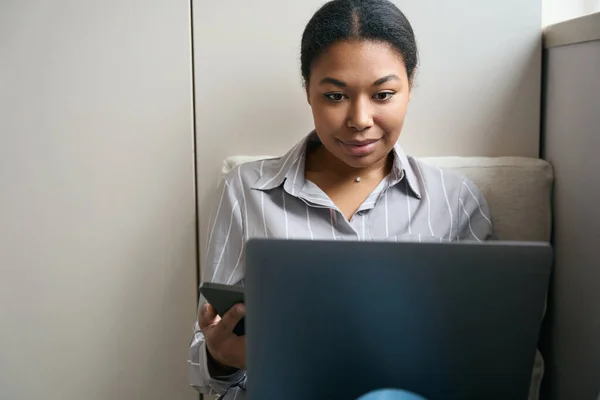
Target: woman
[[347, 180]]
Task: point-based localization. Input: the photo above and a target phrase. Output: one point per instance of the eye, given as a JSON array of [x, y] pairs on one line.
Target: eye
[[384, 96], [335, 97]]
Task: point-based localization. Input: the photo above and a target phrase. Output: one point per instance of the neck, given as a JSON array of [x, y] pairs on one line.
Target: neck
[[322, 160]]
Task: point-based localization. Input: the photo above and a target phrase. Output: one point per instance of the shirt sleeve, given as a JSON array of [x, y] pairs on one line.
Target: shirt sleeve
[[222, 264], [474, 218]]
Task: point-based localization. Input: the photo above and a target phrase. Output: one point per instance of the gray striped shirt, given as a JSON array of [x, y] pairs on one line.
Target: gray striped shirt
[[272, 199]]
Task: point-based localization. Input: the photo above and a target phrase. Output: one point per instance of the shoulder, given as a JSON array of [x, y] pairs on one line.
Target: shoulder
[[461, 194], [437, 180], [246, 175]]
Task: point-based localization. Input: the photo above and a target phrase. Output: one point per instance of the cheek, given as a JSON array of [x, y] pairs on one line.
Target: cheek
[[391, 119], [327, 117]]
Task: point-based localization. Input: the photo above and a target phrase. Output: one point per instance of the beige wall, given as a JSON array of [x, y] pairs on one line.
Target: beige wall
[[572, 141], [97, 251], [478, 89]]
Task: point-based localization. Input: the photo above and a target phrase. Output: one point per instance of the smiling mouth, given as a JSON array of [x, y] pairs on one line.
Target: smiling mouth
[[359, 143], [359, 147]]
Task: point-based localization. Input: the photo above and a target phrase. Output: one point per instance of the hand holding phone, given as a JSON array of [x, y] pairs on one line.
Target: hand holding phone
[[222, 298], [226, 350], [222, 323]]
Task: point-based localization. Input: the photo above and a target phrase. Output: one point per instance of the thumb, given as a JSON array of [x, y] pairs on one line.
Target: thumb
[[207, 316]]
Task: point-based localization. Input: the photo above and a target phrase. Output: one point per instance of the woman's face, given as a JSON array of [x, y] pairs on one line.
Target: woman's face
[[359, 92]]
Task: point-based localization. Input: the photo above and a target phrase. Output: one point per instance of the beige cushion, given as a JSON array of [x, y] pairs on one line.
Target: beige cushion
[[518, 191]]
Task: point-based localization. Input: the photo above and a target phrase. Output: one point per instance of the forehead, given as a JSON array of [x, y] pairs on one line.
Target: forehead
[[357, 61]]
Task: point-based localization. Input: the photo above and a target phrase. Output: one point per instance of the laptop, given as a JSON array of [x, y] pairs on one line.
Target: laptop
[[337, 320]]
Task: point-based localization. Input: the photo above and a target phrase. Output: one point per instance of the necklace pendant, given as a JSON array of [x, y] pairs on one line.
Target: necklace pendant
[[357, 179]]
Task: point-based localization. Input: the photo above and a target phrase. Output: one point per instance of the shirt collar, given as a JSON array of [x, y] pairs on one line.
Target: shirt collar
[[289, 169]]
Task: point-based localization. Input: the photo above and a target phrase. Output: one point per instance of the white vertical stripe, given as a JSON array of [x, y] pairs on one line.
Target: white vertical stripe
[[419, 238], [285, 216], [428, 198], [469, 219], [212, 231], [237, 263], [387, 230], [308, 222], [408, 205], [262, 201], [331, 218], [245, 205], [447, 203], [225, 241], [478, 204], [237, 391]]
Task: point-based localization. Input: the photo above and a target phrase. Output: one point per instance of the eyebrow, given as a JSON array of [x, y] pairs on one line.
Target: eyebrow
[[386, 79], [342, 84], [332, 81]]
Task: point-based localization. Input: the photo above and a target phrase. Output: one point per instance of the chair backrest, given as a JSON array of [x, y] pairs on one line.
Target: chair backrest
[[518, 191]]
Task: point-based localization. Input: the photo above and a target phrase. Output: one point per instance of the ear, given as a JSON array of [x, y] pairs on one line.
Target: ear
[[307, 94]]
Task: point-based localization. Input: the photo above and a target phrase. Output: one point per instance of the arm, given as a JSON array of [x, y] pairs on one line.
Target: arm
[[222, 264], [474, 218]]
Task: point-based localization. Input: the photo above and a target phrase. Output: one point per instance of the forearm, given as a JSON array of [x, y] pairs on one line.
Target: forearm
[[201, 376]]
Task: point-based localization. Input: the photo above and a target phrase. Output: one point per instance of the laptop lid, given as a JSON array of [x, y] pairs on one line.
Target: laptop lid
[[442, 320]]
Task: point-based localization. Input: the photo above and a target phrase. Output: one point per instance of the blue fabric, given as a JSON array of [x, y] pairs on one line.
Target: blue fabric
[[390, 394]]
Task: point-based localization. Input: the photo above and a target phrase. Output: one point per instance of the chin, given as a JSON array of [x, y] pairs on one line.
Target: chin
[[361, 161]]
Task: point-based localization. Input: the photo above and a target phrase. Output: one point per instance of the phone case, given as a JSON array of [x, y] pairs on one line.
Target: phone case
[[222, 298]]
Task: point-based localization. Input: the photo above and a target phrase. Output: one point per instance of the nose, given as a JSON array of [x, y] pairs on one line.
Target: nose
[[360, 115]]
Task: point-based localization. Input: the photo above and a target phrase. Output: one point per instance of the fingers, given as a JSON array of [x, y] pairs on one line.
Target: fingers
[[231, 318], [225, 347], [207, 316]]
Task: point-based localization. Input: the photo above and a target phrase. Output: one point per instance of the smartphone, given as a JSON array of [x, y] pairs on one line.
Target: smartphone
[[222, 298]]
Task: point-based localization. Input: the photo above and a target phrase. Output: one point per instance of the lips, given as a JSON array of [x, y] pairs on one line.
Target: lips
[[360, 142], [359, 147]]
